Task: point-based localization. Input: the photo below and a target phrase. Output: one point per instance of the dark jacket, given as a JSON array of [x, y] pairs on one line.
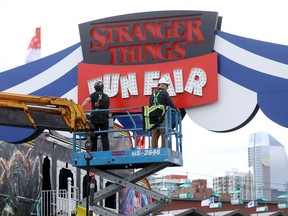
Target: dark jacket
[[100, 117], [163, 98], [104, 100]]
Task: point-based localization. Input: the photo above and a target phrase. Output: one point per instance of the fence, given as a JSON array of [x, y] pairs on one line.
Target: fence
[[60, 202]]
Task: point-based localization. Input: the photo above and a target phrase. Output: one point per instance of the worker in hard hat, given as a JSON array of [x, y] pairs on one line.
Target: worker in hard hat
[[162, 97], [100, 119]]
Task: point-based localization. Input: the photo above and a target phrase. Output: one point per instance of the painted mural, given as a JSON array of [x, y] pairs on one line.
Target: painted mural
[[20, 180]]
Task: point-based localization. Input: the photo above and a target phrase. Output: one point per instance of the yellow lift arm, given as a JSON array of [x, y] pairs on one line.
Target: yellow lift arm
[[42, 112]]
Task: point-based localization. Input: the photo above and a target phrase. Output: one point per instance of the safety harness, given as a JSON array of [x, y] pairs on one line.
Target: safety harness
[[153, 115]]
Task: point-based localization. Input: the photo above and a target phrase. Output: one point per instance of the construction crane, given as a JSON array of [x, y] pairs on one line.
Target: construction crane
[[42, 112], [45, 112]]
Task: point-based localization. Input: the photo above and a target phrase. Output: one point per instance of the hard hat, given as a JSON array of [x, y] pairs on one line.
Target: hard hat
[[163, 80], [98, 85]]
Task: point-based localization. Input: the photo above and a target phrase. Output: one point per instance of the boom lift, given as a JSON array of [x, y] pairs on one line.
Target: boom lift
[[62, 114]]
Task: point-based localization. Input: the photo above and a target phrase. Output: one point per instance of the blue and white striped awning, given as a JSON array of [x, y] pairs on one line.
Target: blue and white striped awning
[[252, 74]]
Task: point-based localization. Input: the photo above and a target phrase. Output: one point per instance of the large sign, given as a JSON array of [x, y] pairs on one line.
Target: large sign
[[149, 37], [122, 51], [193, 82]]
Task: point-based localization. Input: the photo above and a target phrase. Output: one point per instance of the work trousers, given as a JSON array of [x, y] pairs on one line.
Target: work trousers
[[156, 133], [104, 136]]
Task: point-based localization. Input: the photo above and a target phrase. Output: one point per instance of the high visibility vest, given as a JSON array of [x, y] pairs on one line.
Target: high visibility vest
[[153, 115]]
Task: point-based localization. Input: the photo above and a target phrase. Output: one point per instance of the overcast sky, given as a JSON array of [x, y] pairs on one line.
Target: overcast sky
[[206, 154]]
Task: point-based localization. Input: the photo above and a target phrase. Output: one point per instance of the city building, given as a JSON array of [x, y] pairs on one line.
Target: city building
[[168, 182], [267, 159], [179, 186], [233, 182], [196, 189]]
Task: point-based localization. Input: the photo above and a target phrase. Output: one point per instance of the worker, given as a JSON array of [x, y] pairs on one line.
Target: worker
[[100, 119], [162, 97]]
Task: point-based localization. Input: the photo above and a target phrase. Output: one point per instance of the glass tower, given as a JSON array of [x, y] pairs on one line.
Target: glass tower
[[267, 159]]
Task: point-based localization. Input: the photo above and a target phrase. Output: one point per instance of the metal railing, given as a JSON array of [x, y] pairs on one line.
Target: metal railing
[[172, 127], [60, 202]]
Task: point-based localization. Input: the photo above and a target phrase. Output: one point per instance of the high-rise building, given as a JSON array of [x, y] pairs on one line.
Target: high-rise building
[[267, 159], [234, 181]]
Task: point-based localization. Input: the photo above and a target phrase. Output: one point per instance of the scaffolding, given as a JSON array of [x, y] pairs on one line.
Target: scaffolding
[[145, 161]]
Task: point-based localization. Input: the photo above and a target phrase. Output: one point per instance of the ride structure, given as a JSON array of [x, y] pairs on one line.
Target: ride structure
[[283, 201], [236, 197], [216, 200], [53, 113], [263, 206]]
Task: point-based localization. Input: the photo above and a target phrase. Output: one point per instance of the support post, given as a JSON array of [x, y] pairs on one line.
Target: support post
[[87, 185], [92, 190], [69, 195]]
